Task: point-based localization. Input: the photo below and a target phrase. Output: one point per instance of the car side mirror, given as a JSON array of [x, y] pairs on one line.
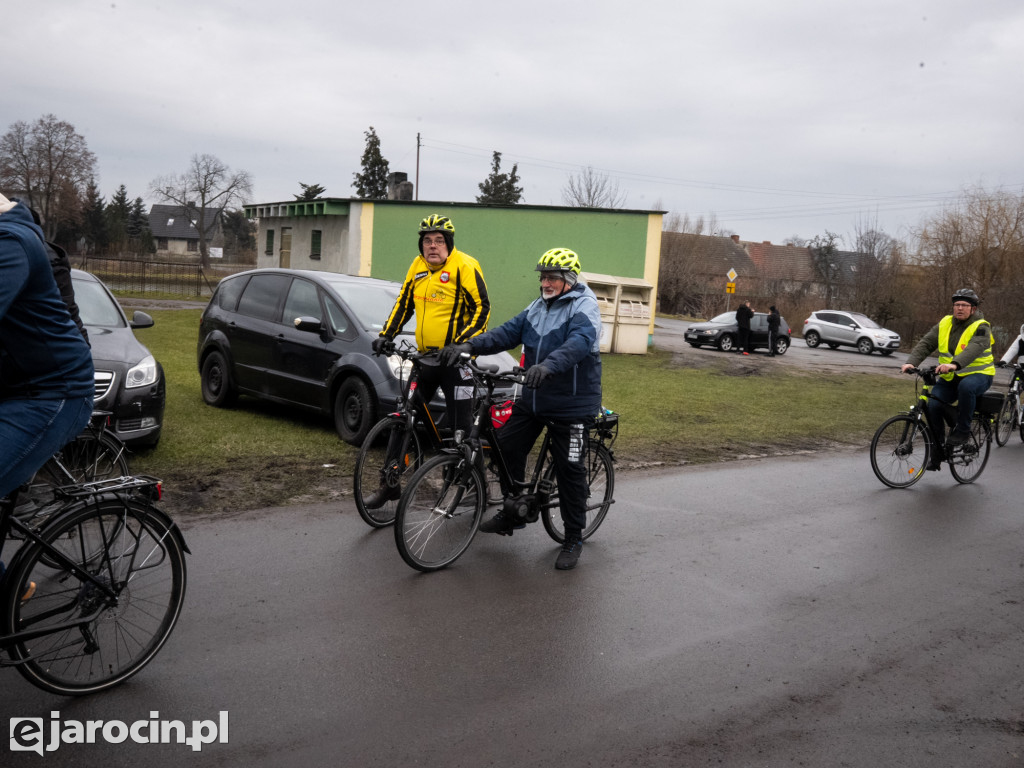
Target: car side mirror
[[309, 324], [854, 326], [141, 320]]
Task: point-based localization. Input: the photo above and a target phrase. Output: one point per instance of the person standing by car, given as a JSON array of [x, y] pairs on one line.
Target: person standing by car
[[743, 317], [560, 334], [964, 343], [46, 371], [445, 288], [774, 319]]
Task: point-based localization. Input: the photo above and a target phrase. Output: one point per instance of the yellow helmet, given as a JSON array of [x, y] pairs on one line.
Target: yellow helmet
[[559, 260], [435, 222]]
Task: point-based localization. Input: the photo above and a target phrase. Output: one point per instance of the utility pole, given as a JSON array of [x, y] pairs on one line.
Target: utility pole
[[417, 197]]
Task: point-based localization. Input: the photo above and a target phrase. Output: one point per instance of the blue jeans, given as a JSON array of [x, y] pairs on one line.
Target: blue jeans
[[964, 391], [32, 430]]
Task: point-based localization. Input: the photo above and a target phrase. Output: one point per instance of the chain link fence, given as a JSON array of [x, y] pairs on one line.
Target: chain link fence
[[177, 279]]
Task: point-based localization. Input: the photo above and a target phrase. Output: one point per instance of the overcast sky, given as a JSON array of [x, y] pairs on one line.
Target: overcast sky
[[778, 118]]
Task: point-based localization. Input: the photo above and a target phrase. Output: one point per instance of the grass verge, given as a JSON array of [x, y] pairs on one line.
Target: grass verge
[[258, 454]]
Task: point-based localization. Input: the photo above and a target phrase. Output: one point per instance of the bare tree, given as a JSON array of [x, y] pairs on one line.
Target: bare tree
[[590, 189], [48, 164], [682, 280], [207, 187]]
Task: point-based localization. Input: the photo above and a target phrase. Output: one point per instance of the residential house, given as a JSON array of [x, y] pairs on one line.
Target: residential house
[[175, 229]]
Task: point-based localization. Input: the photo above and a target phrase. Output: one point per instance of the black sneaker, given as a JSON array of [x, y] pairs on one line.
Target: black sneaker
[[934, 465], [381, 496], [956, 437], [501, 524], [570, 554]]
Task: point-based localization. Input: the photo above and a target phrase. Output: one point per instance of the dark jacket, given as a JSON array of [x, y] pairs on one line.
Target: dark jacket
[[743, 316], [42, 353], [563, 334], [774, 320], [60, 265]]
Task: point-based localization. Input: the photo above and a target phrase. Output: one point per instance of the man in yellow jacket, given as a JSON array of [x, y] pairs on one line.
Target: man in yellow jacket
[[445, 289], [963, 341]]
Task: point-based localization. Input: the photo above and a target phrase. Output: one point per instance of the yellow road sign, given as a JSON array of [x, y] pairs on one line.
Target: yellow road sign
[[730, 287]]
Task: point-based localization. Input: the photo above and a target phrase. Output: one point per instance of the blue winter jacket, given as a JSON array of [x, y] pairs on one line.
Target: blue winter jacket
[[563, 334], [42, 352]]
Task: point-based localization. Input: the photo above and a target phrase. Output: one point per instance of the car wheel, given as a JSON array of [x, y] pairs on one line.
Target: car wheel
[[812, 339], [726, 343], [354, 411], [781, 345], [215, 381], [833, 345], [865, 347]]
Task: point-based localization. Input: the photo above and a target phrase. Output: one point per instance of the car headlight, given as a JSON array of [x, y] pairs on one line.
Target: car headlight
[[399, 368], [142, 374], [708, 332]]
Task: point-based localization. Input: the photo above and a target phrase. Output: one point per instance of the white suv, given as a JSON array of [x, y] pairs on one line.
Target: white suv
[[849, 329]]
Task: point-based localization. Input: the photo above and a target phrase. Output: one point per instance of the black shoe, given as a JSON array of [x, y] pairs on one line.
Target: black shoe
[[956, 437], [501, 524], [570, 554], [381, 496], [934, 465]]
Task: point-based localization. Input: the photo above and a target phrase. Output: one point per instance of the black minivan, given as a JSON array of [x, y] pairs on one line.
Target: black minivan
[[251, 344]]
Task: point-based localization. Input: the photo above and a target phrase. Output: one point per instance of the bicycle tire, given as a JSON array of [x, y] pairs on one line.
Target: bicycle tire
[[1006, 420], [90, 456], [900, 450], [968, 460], [601, 486], [136, 548], [439, 512], [375, 473]]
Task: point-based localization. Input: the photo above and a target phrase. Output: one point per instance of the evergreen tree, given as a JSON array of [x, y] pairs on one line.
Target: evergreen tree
[[117, 213], [310, 192], [500, 188], [239, 234], [372, 183], [140, 237], [94, 221]]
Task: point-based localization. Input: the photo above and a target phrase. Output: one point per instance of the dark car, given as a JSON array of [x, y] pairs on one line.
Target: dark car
[[129, 381], [722, 331], [839, 328], [303, 338]]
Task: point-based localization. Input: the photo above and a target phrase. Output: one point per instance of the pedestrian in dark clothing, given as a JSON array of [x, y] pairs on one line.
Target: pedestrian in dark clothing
[[774, 320], [743, 317]]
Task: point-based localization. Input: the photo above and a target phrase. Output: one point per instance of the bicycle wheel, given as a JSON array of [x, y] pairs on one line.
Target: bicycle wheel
[[90, 456], [969, 459], [601, 479], [381, 467], [124, 543], [439, 512], [1006, 420], [900, 451]]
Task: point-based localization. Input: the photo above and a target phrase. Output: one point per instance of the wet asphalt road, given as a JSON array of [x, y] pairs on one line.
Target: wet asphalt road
[[777, 612]]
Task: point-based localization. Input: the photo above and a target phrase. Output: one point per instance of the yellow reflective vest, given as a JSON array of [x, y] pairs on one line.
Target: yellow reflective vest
[[983, 363]]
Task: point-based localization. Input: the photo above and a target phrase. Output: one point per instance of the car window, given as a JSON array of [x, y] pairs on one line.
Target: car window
[[338, 319], [302, 301], [95, 306], [262, 296], [829, 317], [370, 303], [228, 292], [759, 322], [725, 317], [864, 321]]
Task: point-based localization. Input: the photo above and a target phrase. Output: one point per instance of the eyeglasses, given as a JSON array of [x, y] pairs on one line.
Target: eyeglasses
[[962, 305], [552, 279], [439, 240]]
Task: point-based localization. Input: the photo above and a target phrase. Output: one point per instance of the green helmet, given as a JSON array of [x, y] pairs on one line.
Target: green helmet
[[559, 260], [435, 222]]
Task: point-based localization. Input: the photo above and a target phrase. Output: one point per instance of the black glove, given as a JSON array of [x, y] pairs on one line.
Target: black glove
[[451, 355], [535, 375], [1001, 364], [379, 345]]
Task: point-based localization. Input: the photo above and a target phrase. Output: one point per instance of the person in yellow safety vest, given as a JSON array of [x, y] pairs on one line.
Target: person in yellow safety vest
[[445, 289], [963, 341]]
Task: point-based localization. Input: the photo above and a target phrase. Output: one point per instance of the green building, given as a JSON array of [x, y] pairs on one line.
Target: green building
[[377, 238]]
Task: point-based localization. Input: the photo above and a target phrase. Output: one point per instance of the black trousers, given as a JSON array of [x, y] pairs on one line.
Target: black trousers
[[458, 394], [744, 339], [568, 451]]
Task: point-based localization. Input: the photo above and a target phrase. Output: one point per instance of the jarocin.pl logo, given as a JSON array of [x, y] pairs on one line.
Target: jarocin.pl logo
[[28, 734]]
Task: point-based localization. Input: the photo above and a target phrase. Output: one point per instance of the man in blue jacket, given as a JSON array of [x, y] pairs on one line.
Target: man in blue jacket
[[560, 333], [46, 372]]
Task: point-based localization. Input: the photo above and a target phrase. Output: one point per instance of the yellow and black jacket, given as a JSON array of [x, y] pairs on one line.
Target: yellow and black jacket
[[450, 302]]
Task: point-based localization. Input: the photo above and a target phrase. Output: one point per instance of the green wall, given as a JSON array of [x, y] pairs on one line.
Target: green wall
[[508, 241]]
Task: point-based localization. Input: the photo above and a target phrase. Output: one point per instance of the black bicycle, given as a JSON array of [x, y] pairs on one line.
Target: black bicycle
[[1010, 414], [444, 501], [91, 596], [904, 446]]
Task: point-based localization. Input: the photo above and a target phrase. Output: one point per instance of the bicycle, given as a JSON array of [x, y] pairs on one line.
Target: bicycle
[[91, 596], [443, 503], [904, 445], [1010, 415], [95, 454], [395, 447]]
